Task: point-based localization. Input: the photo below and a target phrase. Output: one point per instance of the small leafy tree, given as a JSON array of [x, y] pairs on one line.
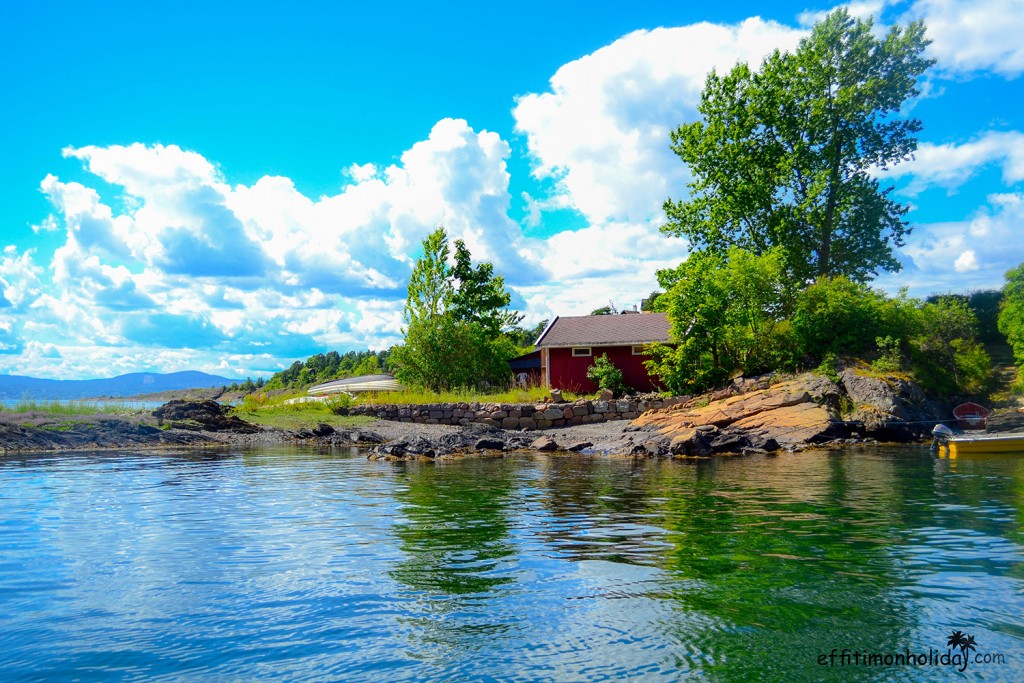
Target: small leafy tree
[[839, 316], [606, 375], [454, 319], [727, 314], [1011, 312], [949, 355]]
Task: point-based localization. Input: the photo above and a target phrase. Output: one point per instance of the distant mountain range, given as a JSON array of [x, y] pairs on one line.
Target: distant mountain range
[[18, 387]]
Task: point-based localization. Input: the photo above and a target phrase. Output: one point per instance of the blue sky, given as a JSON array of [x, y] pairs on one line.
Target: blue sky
[[231, 186]]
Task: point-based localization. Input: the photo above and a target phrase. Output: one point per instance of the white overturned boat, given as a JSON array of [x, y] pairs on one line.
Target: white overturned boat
[[357, 385]]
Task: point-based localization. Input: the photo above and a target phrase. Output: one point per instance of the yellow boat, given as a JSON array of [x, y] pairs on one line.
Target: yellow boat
[[986, 443]]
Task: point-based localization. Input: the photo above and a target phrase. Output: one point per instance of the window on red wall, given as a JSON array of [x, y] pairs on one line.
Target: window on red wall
[[581, 352]]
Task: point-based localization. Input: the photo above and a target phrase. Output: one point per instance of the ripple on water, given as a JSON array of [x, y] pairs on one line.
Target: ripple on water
[[295, 565]]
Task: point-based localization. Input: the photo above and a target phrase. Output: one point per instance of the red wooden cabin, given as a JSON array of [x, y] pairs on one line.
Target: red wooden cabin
[[569, 345]]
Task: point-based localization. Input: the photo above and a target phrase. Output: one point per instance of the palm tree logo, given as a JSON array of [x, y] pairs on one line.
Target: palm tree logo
[[966, 643]]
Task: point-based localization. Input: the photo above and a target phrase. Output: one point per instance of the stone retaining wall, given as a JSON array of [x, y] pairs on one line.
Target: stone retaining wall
[[516, 415]]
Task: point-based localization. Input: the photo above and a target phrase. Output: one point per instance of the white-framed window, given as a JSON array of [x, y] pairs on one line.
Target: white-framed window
[[639, 350], [581, 352]]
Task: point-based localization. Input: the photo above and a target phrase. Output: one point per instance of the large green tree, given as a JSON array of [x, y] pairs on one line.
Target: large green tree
[[786, 156], [454, 320]]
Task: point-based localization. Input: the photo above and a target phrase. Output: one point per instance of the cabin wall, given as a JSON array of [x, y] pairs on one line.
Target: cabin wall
[[569, 372]]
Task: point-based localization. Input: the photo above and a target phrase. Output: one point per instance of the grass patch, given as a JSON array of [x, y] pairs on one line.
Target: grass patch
[[419, 397], [66, 426], [72, 408], [273, 411]]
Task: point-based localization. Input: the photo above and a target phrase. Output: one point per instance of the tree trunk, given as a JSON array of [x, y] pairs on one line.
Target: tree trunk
[[825, 251]]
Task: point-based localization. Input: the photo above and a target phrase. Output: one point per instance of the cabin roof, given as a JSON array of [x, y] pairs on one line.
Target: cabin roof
[[605, 330]]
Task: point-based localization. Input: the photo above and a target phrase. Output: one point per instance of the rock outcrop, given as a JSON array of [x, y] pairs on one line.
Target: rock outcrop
[[788, 414], [805, 410], [208, 416], [891, 408]]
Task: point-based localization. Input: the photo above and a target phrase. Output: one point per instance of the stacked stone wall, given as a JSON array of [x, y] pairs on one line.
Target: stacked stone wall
[[517, 415]]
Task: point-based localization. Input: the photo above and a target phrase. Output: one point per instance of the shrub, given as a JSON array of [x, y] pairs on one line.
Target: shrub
[[948, 355], [604, 373], [890, 358], [839, 316], [339, 403]]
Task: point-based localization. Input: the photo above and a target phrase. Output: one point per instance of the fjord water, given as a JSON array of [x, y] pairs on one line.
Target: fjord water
[[298, 565]]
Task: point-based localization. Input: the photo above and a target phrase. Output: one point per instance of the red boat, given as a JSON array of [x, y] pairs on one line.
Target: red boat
[[971, 416]]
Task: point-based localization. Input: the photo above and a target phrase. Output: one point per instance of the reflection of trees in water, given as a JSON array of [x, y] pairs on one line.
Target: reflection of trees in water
[[455, 526], [598, 509], [454, 534], [774, 564]]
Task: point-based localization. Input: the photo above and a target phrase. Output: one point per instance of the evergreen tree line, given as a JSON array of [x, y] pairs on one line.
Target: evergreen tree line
[[324, 367], [247, 386]]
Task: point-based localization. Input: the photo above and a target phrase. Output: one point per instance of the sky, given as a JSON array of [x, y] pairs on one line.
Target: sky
[[232, 186]]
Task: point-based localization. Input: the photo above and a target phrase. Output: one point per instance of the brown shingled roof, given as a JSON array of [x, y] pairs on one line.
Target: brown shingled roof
[[606, 330]]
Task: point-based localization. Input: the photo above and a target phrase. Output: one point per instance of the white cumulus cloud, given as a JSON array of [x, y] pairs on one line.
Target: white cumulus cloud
[[979, 249], [950, 165], [974, 36], [603, 128]]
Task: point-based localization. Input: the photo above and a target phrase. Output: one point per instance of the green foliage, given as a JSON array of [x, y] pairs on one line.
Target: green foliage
[[829, 367], [604, 310], [652, 302], [479, 296], [739, 315], [523, 337], [728, 315], [273, 411], [72, 407], [339, 403], [784, 157], [606, 375], [839, 316], [454, 320], [890, 357], [324, 367], [948, 355], [1011, 312], [985, 305], [247, 386]]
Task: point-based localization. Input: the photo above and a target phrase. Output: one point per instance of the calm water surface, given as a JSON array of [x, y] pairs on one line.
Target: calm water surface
[[298, 565]]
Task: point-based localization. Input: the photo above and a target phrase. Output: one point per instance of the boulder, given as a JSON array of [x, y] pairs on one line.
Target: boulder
[[544, 443], [202, 415], [556, 396], [323, 429], [891, 408], [729, 410], [489, 444], [689, 443]]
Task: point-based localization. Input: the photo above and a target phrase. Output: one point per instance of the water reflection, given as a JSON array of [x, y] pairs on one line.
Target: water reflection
[[454, 527], [599, 509], [304, 565]]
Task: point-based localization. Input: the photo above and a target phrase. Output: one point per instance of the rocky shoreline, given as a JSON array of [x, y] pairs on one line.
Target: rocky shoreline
[[761, 414]]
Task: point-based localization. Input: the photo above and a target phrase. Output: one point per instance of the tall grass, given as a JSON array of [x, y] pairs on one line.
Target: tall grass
[[275, 411], [71, 407], [421, 396]]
